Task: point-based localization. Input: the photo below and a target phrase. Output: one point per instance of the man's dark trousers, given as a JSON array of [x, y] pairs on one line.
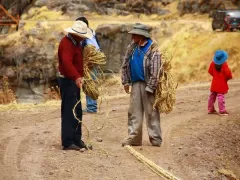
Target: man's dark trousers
[[71, 129]]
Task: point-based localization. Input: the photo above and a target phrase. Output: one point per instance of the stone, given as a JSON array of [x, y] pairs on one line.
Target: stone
[[98, 139]]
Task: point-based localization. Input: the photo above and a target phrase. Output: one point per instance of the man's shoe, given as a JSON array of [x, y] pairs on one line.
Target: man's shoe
[[83, 145], [130, 142], [71, 147], [158, 145], [92, 112], [85, 111]]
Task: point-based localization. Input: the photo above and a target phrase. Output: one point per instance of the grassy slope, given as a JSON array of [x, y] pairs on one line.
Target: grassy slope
[[193, 49]]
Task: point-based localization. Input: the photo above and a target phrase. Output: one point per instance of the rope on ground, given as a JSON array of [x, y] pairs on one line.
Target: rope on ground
[[155, 168], [165, 95]]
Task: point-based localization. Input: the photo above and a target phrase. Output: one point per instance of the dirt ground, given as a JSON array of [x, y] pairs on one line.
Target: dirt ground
[[196, 145]]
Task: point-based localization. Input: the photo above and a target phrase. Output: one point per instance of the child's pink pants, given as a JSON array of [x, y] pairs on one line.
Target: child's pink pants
[[212, 99]]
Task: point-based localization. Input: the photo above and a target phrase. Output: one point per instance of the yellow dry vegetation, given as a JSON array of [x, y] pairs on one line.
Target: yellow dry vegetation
[[16, 106], [6, 94], [42, 13], [193, 49]]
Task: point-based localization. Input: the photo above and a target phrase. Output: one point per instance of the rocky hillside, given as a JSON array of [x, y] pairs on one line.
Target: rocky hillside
[[28, 57], [75, 8], [16, 6], [206, 6]]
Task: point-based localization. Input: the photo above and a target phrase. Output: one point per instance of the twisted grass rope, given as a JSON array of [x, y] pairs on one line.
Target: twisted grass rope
[[165, 95], [91, 57], [80, 121], [154, 167]]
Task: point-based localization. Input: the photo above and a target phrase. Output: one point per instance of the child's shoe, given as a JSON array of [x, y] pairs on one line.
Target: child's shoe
[[212, 112], [224, 113]]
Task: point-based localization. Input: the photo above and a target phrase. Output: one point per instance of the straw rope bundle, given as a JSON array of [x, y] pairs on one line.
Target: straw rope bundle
[[165, 95], [92, 58], [154, 167]]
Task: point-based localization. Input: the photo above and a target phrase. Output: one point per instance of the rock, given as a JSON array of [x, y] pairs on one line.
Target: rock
[[4, 30], [83, 8], [9, 72], [40, 3], [202, 6], [98, 139], [121, 6], [114, 40], [82, 150]]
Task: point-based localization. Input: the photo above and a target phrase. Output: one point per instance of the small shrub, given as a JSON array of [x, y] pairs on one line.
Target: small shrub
[[6, 94], [54, 93]]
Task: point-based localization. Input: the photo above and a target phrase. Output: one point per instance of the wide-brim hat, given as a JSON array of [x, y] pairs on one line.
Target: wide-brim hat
[[140, 29], [80, 29], [220, 57]]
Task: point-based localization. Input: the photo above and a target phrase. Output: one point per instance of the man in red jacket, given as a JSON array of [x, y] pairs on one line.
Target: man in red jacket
[[70, 80]]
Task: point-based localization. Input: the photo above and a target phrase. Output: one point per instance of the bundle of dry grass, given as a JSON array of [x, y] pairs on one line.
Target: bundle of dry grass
[[92, 58], [165, 95]]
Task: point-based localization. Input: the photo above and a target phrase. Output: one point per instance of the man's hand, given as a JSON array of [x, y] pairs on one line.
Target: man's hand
[[79, 82], [126, 88]]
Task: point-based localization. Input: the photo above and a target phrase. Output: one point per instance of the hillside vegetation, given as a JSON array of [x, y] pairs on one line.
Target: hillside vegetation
[[193, 45]]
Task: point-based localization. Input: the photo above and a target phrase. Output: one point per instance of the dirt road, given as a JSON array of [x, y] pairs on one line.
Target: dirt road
[[196, 145]]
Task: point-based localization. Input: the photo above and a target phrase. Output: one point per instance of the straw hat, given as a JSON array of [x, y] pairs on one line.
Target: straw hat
[[80, 29]]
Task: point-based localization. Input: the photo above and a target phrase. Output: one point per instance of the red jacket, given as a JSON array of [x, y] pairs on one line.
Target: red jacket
[[219, 80], [70, 59]]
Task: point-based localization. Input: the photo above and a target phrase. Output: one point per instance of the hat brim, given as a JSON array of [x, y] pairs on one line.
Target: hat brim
[[222, 60], [139, 32], [87, 35]]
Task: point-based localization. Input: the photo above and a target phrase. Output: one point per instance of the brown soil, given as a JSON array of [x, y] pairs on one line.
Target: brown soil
[[196, 145]]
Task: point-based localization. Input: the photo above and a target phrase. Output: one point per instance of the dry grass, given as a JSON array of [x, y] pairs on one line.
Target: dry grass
[[53, 93], [6, 94], [30, 106], [42, 13], [193, 48]]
